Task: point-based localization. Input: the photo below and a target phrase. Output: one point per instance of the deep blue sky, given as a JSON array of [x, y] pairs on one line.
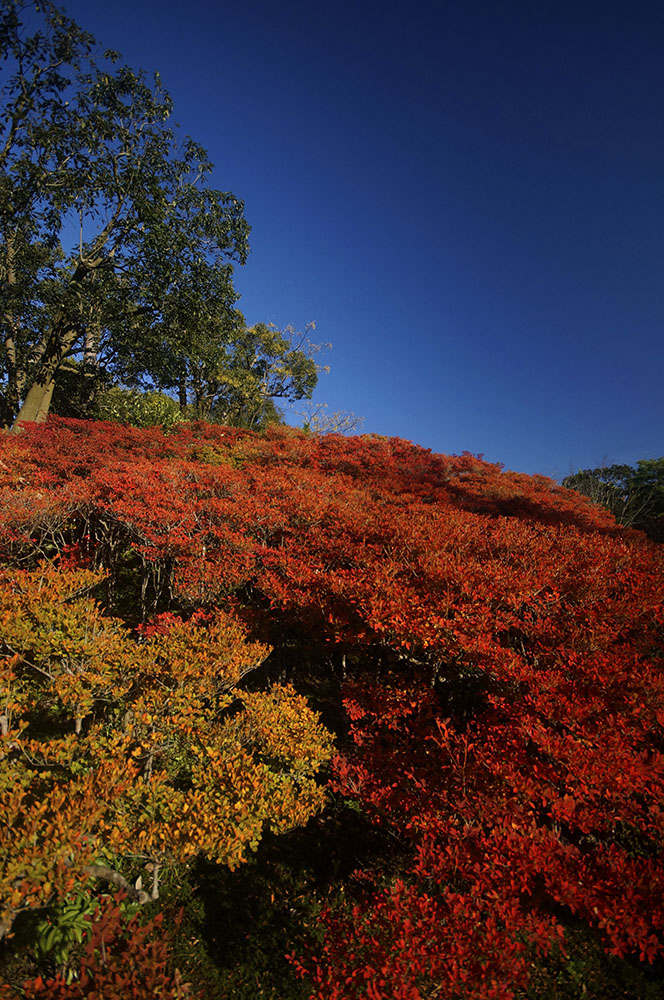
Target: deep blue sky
[[467, 198]]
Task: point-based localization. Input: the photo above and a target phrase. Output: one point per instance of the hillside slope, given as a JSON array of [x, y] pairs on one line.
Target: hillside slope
[[486, 645]]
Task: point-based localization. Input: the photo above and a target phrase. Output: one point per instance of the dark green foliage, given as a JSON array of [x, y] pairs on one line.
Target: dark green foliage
[[240, 926], [86, 147], [116, 254], [77, 389], [587, 971], [635, 496]]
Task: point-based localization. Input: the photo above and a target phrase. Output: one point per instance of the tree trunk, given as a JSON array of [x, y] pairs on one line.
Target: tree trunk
[[38, 398], [8, 409], [182, 393], [91, 346], [11, 397], [36, 404]]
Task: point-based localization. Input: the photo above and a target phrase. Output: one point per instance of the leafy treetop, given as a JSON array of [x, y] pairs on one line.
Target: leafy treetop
[[113, 245]]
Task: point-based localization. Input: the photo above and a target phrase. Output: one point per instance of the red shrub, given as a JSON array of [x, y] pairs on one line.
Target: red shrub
[[515, 742]]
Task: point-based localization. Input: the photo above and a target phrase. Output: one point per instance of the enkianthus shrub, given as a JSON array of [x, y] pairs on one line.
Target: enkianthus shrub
[[117, 955], [125, 755], [493, 639]]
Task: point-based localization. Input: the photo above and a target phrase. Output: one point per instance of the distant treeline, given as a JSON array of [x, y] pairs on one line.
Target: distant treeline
[[635, 496]]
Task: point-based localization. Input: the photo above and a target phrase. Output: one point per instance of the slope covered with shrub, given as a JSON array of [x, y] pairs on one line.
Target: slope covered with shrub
[[485, 645]]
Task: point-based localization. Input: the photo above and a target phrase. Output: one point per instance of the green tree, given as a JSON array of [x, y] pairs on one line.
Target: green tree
[[221, 369], [105, 219], [261, 365], [635, 496]]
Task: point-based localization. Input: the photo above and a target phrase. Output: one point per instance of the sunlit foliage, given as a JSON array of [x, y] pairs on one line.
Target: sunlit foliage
[[498, 640]]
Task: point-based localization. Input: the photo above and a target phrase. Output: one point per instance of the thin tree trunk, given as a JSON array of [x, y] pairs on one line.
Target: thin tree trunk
[[12, 395], [182, 393], [8, 409]]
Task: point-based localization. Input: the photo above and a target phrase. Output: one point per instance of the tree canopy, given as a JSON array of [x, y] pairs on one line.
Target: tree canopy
[[116, 253], [634, 495]]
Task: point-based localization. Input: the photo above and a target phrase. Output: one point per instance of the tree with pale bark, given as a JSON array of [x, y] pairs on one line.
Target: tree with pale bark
[[113, 244]]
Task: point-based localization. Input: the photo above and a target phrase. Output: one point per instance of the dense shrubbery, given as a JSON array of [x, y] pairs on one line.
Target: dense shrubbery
[[140, 409], [485, 645]]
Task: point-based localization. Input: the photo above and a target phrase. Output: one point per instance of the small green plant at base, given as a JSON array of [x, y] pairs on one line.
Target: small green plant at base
[[57, 933]]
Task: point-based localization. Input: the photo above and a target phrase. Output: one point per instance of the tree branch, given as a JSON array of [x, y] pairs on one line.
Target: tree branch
[[115, 878]]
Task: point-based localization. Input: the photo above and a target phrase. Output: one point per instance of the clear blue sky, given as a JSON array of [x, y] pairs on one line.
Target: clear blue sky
[[467, 198]]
